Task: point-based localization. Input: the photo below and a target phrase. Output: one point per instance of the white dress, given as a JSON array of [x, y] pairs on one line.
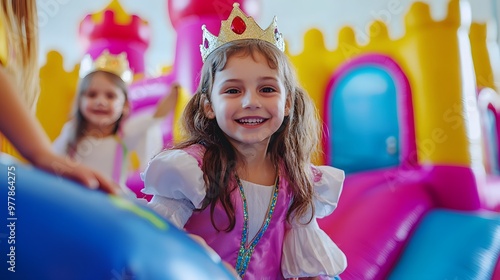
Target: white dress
[[176, 182], [141, 133]]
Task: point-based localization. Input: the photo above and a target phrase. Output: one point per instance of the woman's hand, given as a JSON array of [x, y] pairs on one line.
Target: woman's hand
[[66, 167]]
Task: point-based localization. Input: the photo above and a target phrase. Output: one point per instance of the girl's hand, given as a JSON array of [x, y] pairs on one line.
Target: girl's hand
[[167, 104], [66, 167]]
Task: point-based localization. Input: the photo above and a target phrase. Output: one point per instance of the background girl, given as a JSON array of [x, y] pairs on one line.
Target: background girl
[[243, 179], [100, 134]]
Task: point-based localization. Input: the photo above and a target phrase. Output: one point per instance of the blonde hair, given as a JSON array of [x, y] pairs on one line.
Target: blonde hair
[[20, 20], [291, 147]]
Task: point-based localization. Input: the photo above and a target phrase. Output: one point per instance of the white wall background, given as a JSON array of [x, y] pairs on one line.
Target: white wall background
[[59, 20]]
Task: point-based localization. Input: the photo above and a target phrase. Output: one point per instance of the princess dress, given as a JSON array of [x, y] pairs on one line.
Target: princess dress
[[262, 245]]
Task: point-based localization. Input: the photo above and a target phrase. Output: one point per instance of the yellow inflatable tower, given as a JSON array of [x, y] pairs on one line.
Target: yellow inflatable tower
[[438, 66]]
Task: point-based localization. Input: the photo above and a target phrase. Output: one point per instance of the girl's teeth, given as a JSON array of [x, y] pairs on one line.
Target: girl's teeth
[[252, 121]]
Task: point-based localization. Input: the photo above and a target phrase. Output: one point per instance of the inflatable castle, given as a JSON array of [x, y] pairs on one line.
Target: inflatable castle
[[418, 137], [414, 122]]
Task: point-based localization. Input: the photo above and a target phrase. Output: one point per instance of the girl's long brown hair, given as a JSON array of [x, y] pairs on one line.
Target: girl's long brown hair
[[20, 21], [292, 146]]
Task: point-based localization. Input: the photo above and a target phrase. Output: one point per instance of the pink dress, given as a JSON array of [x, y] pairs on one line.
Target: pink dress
[[278, 250]]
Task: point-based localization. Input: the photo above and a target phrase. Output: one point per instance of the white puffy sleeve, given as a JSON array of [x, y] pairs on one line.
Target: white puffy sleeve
[[307, 250], [60, 144], [176, 182], [142, 134]]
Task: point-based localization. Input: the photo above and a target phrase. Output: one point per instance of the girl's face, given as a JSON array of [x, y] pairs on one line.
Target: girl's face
[[102, 103], [248, 100]]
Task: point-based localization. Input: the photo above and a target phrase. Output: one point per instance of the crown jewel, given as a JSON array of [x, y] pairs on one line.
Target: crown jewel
[[115, 64], [239, 26]]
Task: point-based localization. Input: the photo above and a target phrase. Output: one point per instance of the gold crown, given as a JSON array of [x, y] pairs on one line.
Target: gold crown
[[239, 26], [115, 64]]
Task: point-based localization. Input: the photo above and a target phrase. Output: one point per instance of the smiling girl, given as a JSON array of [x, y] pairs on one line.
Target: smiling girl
[[243, 179], [100, 134]]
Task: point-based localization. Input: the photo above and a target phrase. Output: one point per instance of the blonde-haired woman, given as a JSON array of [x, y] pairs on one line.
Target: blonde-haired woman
[[19, 93]]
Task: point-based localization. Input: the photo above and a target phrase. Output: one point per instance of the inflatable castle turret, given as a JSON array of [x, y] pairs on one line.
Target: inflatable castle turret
[[187, 20], [115, 30]]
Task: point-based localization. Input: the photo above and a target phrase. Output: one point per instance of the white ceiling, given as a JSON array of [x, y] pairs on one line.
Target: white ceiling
[[59, 19]]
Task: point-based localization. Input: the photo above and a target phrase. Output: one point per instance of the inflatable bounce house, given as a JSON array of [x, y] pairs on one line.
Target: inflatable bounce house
[[418, 138], [414, 122]]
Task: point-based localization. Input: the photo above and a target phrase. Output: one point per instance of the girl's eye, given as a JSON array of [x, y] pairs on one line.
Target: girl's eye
[[90, 94], [232, 91], [268, 89], [110, 95]]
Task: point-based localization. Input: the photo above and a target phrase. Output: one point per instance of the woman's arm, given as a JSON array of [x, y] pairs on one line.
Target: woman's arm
[[25, 132]]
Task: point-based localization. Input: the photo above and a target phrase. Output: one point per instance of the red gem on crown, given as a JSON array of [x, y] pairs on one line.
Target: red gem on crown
[[238, 26]]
